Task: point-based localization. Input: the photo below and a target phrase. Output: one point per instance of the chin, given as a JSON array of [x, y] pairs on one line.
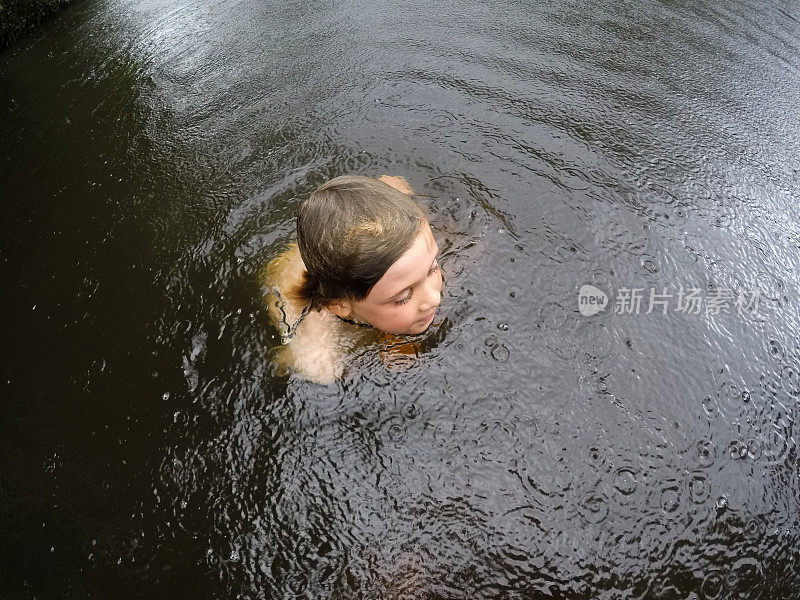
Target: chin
[[420, 327]]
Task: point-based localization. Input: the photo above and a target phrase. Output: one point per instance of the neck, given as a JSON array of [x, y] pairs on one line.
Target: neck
[[351, 321]]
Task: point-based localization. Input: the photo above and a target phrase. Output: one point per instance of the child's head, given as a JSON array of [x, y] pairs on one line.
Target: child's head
[[369, 255]]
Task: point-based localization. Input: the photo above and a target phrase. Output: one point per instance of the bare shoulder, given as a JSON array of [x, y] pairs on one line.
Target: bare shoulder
[[316, 351], [283, 272], [287, 265]]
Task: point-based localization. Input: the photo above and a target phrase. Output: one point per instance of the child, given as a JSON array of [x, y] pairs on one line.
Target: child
[[365, 259]]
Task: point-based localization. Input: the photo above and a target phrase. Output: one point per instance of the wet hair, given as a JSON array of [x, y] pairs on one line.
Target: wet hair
[[349, 232]]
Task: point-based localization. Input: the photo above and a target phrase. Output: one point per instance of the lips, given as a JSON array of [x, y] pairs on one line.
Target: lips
[[428, 318]]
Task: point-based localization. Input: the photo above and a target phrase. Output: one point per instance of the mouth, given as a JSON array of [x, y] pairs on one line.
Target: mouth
[[429, 318]]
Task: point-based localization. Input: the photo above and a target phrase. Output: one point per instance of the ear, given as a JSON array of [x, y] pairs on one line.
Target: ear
[[340, 307]]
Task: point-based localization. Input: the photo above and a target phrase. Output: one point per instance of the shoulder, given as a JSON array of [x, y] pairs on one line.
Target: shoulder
[[317, 352], [283, 272], [287, 262]]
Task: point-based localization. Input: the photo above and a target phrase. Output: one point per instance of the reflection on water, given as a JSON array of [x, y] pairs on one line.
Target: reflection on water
[[154, 155]]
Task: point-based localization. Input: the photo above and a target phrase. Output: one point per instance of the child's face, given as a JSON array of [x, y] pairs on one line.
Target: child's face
[[404, 300]]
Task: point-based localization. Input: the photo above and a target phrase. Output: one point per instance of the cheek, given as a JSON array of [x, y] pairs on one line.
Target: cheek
[[402, 314]]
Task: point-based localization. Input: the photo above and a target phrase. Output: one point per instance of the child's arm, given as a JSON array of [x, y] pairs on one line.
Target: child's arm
[[397, 182]]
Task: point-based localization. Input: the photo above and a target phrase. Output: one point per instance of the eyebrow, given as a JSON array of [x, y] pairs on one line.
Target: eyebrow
[[393, 296]]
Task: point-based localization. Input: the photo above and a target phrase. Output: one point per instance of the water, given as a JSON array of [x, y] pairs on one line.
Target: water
[[153, 156]]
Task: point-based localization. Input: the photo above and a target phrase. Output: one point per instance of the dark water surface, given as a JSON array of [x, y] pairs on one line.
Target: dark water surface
[[153, 156]]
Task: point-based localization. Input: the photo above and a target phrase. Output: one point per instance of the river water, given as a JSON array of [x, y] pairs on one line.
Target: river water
[[153, 156]]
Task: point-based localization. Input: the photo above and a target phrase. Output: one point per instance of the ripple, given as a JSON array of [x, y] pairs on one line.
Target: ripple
[[596, 458], [775, 445], [552, 316], [519, 527], [652, 192], [396, 431], [671, 500], [771, 286], [745, 578], [655, 541], [775, 349], [593, 508], [698, 487], [790, 380], [755, 528], [410, 411], [710, 406], [706, 452], [500, 353], [625, 481], [712, 585], [295, 584], [595, 340], [753, 448]]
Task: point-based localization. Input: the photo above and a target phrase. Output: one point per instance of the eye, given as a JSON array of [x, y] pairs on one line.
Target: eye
[[434, 268], [406, 299]]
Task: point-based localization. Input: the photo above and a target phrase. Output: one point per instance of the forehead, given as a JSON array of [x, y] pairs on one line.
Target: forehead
[[409, 268]]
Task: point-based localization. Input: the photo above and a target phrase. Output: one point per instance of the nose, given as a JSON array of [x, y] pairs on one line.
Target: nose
[[433, 296]]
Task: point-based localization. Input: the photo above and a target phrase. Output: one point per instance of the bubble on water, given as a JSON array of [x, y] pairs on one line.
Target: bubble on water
[[776, 349], [396, 432], [593, 508], [698, 487], [625, 481], [596, 457], [411, 411], [502, 326], [500, 353], [755, 528], [296, 584], [737, 450], [729, 390], [742, 450], [753, 448], [671, 500], [712, 585], [721, 504], [650, 266], [710, 406], [706, 452]]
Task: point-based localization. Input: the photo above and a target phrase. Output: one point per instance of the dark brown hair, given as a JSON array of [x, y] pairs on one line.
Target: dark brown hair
[[349, 232]]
